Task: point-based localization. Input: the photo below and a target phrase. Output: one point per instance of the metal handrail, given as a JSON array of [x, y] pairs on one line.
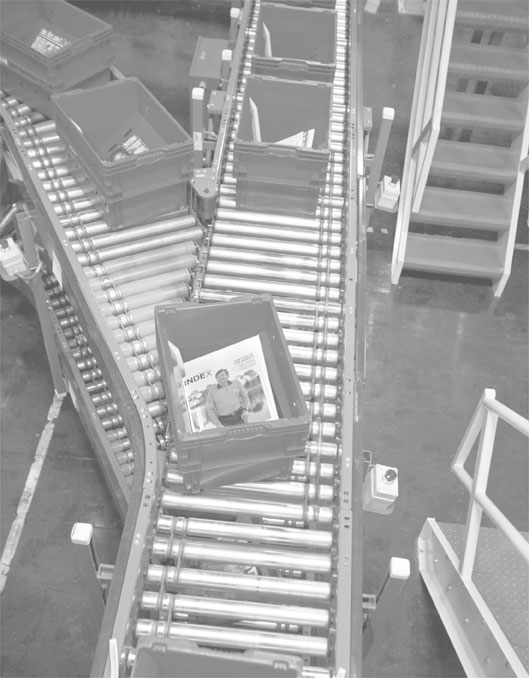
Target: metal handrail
[[425, 119], [483, 423]]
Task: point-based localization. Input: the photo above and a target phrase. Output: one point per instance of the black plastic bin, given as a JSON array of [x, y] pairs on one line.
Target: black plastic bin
[[130, 145], [295, 43], [269, 446], [264, 168], [52, 43]]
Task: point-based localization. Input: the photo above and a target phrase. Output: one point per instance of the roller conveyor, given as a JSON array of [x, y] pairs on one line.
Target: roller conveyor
[[252, 565]]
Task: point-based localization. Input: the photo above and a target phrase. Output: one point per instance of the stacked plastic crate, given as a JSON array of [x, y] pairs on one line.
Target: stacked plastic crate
[[281, 151], [50, 46]]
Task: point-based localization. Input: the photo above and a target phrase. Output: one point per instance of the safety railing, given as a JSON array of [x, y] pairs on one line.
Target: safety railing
[[483, 424], [425, 119], [522, 146]]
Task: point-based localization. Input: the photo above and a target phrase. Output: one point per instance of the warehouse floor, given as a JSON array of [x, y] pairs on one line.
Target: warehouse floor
[[432, 347]]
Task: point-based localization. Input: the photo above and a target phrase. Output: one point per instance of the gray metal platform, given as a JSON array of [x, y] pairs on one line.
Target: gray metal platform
[[502, 579]]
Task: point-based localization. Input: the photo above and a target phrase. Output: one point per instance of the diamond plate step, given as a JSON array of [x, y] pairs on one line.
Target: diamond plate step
[[456, 256], [505, 15], [474, 111], [482, 62], [502, 578], [457, 159], [449, 207]]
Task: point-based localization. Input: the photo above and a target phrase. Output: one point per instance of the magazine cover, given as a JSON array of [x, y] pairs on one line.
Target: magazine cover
[[228, 387]]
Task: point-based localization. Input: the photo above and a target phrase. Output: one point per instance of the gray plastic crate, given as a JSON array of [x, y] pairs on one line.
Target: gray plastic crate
[[199, 329], [271, 196], [144, 207], [265, 168], [295, 43], [202, 479], [52, 43], [125, 138], [175, 658], [18, 85]]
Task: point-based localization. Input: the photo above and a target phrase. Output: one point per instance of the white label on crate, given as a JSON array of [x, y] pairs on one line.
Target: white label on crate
[[197, 140], [47, 42], [56, 268], [133, 145], [305, 138], [4, 61]]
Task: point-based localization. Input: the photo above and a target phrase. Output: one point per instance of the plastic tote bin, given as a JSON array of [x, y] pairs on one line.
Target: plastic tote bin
[[175, 658], [196, 479], [18, 85], [53, 43], [129, 144], [199, 329], [295, 43], [282, 139]]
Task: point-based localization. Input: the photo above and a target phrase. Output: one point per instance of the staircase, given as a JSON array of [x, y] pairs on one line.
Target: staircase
[[468, 142]]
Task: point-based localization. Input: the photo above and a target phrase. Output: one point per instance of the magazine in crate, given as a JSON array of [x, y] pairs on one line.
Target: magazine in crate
[[230, 381]]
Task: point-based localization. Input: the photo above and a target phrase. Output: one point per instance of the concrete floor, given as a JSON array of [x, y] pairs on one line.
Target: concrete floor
[[432, 347]]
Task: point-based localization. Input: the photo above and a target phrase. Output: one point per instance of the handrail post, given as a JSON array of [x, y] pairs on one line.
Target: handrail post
[[479, 486]]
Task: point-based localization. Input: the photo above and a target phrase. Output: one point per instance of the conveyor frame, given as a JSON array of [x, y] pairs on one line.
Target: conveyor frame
[[139, 503]]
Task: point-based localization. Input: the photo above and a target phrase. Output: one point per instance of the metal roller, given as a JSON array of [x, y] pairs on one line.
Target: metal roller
[[247, 270], [276, 232], [270, 286], [147, 299], [39, 129], [83, 231], [80, 218], [299, 321], [37, 151], [134, 332], [294, 491], [316, 373], [127, 235], [331, 256], [284, 536], [101, 256], [147, 271], [50, 161], [245, 217], [313, 391], [136, 261], [248, 585], [110, 294], [319, 410], [138, 346], [281, 303], [134, 316], [276, 259], [237, 554], [172, 604], [308, 338], [147, 376], [234, 507], [313, 646]]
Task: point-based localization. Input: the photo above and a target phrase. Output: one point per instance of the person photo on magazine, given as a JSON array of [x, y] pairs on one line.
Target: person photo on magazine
[[227, 403]]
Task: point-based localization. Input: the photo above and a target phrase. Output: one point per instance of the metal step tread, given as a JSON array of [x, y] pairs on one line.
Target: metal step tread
[[450, 207], [489, 63], [502, 578], [482, 111], [503, 15], [478, 161], [457, 256]]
